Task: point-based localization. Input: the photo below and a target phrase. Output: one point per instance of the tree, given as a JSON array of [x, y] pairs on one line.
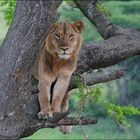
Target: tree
[[26, 36]]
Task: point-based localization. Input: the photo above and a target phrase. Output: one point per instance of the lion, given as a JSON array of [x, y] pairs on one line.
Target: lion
[[56, 63]]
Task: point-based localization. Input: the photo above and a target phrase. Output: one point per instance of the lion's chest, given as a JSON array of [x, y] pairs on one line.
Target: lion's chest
[[58, 67], [64, 69]]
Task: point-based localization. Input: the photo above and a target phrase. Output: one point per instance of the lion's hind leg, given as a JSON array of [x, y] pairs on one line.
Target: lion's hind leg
[[65, 102]]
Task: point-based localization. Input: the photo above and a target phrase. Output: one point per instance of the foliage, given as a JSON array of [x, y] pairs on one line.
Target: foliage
[[117, 112], [9, 7]]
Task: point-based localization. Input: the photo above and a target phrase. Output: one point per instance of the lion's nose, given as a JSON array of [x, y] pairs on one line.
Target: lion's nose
[[64, 49]]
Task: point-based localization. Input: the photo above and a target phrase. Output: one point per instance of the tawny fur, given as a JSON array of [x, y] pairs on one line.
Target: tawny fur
[[54, 63]]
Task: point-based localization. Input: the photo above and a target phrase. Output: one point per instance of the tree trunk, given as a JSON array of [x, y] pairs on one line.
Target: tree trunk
[[24, 39]]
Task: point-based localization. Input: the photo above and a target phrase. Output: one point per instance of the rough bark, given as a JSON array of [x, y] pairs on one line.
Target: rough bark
[[58, 121], [24, 39], [95, 77], [119, 45], [92, 11], [108, 52]]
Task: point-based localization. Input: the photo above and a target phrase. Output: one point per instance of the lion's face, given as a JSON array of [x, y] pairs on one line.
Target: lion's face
[[65, 37]]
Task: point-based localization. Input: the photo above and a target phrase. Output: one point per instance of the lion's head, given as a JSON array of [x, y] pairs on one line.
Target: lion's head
[[64, 39]]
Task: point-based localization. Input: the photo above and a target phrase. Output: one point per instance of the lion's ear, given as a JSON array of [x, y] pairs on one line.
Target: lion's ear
[[78, 26], [52, 27]]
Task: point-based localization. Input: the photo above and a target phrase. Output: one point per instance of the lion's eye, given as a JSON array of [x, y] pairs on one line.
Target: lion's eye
[[71, 35], [57, 36]]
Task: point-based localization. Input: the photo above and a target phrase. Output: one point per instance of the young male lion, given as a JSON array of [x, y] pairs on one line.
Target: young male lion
[[57, 61]]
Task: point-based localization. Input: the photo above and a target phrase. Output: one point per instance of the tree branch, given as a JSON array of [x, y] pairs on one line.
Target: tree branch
[[95, 77], [108, 52], [37, 124], [92, 11], [103, 75]]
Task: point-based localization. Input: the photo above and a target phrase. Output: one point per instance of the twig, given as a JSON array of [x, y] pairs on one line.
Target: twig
[[82, 131]]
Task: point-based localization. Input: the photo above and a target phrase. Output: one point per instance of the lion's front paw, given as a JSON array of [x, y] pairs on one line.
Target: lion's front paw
[[44, 115]]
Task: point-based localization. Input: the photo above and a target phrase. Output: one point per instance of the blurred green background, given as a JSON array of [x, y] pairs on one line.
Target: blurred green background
[[125, 91]]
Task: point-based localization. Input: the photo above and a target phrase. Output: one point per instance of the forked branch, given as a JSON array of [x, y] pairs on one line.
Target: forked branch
[[93, 10], [54, 122]]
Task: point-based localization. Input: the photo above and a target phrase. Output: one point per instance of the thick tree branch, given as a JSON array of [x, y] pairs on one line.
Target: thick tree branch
[[108, 52], [95, 77], [91, 10], [36, 124], [103, 75]]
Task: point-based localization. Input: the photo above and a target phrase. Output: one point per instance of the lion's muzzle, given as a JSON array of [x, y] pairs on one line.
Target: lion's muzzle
[[64, 53]]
